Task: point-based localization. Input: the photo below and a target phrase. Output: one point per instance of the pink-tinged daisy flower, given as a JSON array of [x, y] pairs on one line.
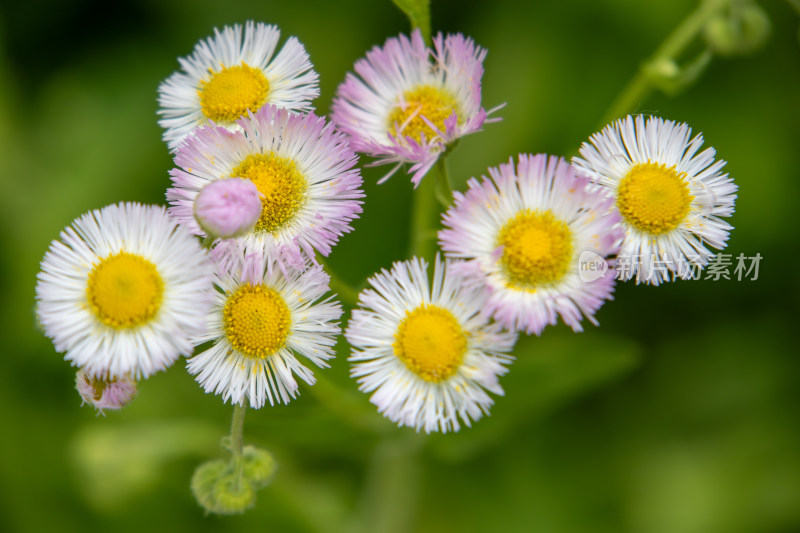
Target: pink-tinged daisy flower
[[262, 319], [105, 394], [123, 291], [303, 169], [670, 196], [403, 108], [424, 349], [232, 73], [538, 238], [228, 208]]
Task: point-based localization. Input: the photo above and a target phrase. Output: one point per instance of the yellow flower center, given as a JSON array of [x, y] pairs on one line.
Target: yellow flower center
[[654, 198], [282, 185], [433, 103], [124, 290], [431, 343], [537, 249], [232, 91], [256, 320]]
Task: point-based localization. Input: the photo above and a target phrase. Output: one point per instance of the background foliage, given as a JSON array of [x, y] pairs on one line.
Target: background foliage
[[678, 415]]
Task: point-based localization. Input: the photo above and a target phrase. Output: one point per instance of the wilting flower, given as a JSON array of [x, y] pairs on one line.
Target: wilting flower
[[408, 103]]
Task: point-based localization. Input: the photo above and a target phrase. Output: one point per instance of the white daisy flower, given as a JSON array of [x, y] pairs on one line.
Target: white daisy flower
[[232, 73], [671, 198], [408, 103], [262, 318], [123, 290], [526, 232], [424, 350], [303, 169]]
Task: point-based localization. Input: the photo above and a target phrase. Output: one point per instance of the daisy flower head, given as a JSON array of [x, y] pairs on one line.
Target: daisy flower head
[[407, 103], [263, 317], [424, 349], [302, 168], [527, 233], [123, 290], [670, 196], [231, 73]]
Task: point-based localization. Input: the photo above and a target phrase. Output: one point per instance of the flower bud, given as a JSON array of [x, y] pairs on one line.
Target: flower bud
[[228, 208], [220, 490], [113, 393], [742, 30], [259, 466]]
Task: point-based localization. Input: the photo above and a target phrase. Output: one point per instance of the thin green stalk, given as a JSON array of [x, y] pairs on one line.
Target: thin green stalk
[[444, 191], [424, 219], [345, 292], [640, 86], [237, 430]]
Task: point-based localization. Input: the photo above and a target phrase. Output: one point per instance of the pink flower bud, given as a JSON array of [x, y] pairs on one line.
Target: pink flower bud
[[113, 394], [228, 208]]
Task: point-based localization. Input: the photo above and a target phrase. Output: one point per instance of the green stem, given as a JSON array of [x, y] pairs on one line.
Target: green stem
[[424, 219], [346, 293], [640, 86], [444, 192], [237, 429]]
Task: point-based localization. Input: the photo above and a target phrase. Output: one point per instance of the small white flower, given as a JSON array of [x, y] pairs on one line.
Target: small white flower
[[123, 290], [262, 318], [670, 196], [232, 73], [424, 350]]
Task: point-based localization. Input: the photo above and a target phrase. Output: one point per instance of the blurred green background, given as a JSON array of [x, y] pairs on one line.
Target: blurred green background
[[680, 414]]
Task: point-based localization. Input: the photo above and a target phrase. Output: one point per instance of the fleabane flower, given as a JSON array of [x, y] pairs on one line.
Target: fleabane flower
[[228, 208], [262, 319], [670, 196], [231, 73], [407, 103], [424, 350], [123, 290], [105, 394], [303, 169], [537, 237]]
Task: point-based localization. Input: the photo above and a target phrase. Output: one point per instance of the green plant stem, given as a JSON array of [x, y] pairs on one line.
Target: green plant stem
[[424, 219], [444, 191], [237, 430], [640, 86], [345, 292]]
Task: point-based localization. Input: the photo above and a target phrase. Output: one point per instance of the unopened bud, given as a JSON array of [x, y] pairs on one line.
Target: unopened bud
[[259, 466], [112, 393], [228, 208], [741, 30]]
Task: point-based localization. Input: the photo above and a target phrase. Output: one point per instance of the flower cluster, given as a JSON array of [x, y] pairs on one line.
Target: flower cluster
[[262, 186]]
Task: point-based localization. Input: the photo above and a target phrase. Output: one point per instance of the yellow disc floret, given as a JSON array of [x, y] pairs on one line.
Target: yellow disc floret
[[282, 185], [654, 198], [427, 101], [256, 320], [537, 249], [124, 290], [231, 91], [431, 343]]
